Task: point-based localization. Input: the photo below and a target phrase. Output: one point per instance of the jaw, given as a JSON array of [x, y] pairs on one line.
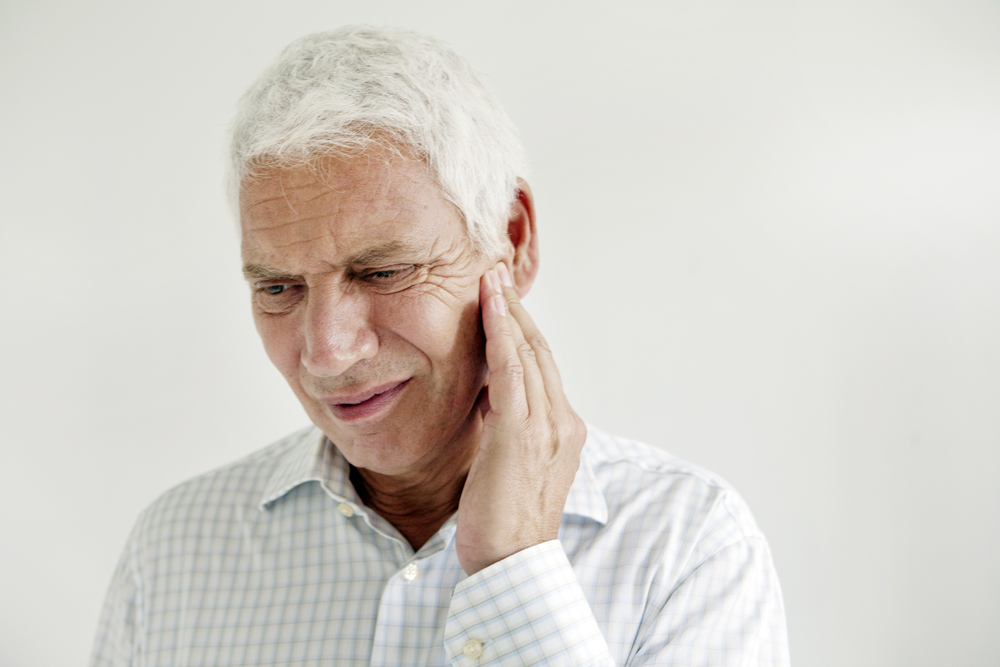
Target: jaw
[[419, 501], [404, 445]]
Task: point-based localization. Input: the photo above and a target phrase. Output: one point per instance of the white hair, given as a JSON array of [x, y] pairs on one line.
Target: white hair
[[360, 88]]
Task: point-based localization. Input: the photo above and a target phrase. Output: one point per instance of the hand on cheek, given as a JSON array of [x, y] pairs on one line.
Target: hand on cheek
[[531, 440]]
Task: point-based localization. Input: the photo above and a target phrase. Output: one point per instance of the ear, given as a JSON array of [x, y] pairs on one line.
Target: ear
[[522, 256]]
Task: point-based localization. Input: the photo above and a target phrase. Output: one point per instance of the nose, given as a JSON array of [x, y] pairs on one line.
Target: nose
[[338, 331]]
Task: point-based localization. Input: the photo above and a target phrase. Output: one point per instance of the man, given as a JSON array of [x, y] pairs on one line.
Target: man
[[448, 506]]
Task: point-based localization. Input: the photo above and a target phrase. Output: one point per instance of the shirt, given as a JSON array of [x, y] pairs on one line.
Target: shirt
[[274, 560]]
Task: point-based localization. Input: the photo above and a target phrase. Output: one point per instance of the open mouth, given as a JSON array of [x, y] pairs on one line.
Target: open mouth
[[368, 404]]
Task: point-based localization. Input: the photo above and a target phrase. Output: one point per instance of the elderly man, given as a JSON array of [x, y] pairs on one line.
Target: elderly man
[[448, 507]]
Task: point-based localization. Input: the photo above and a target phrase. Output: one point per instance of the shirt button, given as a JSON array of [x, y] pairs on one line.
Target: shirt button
[[472, 648], [410, 572], [346, 509]]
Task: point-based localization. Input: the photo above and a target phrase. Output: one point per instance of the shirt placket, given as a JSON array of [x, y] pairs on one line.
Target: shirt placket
[[409, 630]]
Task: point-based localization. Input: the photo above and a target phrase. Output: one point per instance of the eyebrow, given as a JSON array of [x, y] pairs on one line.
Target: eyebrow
[[385, 252], [374, 255], [260, 272]]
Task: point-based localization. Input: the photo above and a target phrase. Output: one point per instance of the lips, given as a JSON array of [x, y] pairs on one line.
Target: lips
[[361, 405]]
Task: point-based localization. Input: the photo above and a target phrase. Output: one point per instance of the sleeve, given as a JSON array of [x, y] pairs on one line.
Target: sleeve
[[727, 611], [527, 609], [116, 643]]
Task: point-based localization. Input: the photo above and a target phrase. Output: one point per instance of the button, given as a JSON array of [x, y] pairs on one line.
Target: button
[[410, 572], [346, 509], [473, 648]]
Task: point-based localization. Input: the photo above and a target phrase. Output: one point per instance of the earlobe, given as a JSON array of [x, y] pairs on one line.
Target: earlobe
[[523, 238]]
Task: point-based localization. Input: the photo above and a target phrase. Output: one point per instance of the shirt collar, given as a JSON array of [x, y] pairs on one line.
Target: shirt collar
[[313, 458], [585, 496]]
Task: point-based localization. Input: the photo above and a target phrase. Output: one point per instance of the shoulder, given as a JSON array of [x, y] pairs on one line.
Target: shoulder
[[221, 495], [684, 538], [637, 478]]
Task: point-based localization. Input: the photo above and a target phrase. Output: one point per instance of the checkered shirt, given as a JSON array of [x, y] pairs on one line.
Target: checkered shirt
[[274, 560]]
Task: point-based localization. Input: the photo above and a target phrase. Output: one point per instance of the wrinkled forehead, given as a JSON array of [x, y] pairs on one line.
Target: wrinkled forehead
[[368, 180], [346, 203]]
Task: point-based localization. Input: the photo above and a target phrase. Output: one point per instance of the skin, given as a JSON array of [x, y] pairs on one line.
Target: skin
[[411, 351]]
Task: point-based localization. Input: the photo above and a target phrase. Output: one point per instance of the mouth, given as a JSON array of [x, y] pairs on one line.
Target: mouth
[[366, 404]]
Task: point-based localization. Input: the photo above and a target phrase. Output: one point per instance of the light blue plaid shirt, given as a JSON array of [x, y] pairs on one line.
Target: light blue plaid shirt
[[274, 560]]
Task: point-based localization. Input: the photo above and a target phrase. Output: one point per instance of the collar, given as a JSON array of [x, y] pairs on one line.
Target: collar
[[585, 496], [313, 458]]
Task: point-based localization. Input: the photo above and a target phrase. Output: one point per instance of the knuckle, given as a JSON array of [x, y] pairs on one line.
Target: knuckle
[[526, 431], [568, 427], [525, 350], [540, 344], [513, 369]]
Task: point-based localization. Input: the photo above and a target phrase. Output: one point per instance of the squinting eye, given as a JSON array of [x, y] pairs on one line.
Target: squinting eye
[[278, 298], [389, 275]]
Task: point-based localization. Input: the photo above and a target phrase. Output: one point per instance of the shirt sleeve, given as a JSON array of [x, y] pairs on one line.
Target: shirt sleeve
[[527, 609], [115, 643], [727, 611]]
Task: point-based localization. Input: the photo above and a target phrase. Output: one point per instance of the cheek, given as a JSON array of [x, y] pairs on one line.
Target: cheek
[[446, 331]]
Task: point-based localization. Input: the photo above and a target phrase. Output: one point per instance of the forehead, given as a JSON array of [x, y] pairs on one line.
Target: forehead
[[336, 209]]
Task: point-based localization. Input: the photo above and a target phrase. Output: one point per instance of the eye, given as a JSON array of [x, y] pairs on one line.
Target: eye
[[389, 275], [277, 297]]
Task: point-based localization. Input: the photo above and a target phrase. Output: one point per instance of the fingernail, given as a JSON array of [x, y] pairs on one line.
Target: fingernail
[[504, 275], [499, 304], [494, 279]]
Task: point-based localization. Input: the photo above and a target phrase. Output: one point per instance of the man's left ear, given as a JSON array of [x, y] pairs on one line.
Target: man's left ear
[[524, 239]]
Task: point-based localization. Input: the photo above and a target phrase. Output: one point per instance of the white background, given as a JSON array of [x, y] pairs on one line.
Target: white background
[[770, 244]]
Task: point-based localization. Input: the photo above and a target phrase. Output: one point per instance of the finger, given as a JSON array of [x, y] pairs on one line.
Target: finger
[[506, 373], [541, 352], [534, 381]]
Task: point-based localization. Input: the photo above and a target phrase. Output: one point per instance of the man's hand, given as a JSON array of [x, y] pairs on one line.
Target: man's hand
[[530, 448]]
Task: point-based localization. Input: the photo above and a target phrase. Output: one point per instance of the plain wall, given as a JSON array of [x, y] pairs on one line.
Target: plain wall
[[770, 244]]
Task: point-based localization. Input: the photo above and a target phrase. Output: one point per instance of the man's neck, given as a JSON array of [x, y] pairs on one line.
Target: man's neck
[[417, 512], [417, 502]]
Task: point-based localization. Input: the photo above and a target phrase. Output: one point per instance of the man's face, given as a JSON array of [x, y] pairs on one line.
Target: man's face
[[366, 295]]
